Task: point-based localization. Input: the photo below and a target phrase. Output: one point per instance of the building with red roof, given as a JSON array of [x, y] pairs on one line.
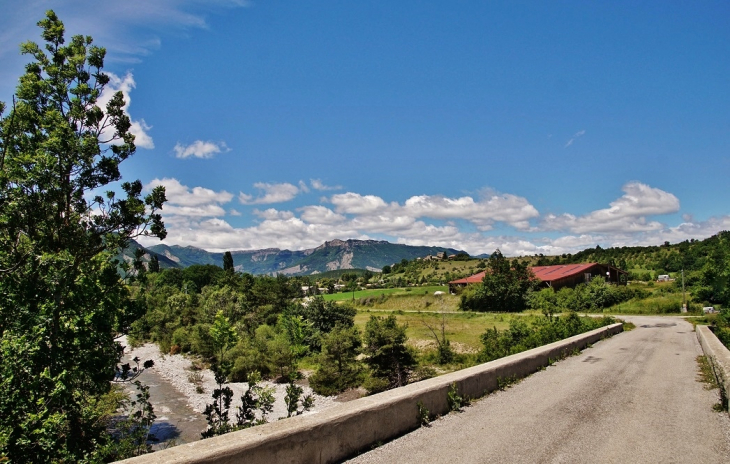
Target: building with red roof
[[558, 276]]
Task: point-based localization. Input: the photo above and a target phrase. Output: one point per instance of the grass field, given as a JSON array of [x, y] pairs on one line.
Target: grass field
[[462, 328], [387, 292], [670, 304]]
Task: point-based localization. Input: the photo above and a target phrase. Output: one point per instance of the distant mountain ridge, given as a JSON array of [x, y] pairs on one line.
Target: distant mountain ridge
[[332, 255]]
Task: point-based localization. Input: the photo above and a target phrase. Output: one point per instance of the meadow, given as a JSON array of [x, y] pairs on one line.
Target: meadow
[[463, 329], [377, 292]]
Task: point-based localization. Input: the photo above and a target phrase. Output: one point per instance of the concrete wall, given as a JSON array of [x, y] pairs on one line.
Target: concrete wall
[[719, 357], [341, 431]]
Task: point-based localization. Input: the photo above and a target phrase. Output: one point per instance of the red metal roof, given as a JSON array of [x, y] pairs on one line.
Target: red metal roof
[[544, 273], [475, 279], [560, 271]]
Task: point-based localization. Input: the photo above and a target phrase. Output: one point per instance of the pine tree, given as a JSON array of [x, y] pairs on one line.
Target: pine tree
[[61, 297], [228, 262]]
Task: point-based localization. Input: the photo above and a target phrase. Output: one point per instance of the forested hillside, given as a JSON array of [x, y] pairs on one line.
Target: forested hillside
[[690, 255]]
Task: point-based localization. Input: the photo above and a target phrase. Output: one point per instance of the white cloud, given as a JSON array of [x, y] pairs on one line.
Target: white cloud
[[139, 128], [510, 209], [272, 214], [318, 185], [200, 149], [386, 224], [186, 202], [218, 235], [626, 214], [575, 136], [272, 193], [321, 215], [354, 203], [484, 213]]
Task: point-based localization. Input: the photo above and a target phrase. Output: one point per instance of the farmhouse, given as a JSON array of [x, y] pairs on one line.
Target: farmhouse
[[558, 276]]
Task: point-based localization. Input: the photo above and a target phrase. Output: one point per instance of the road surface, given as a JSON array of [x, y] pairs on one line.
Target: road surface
[[634, 398]]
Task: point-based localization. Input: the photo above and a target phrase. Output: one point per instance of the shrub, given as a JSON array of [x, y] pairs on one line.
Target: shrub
[[521, 337]]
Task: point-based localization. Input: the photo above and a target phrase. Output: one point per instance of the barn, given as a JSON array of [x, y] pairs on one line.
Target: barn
[[558, 276]]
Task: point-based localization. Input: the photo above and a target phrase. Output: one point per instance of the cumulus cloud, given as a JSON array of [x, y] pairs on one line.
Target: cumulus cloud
[[484, 212], [318, 185], [510, 209], [186, 202], [626, 214], [139, 128], [272, 214], [575, 136], [200, 149], [321, 215], [354, 203], [270, 193], [216, 234]]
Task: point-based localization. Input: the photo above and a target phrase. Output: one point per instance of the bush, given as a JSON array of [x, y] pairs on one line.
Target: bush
[[388, 356], [247, 359], [339, 368], [200, 340], [521, 337], [181, 339]]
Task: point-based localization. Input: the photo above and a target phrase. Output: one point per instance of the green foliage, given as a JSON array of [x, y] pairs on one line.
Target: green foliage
[[504, 288], [295, 404], [388, 357], [228, 262], [594, 296], [453, 399], [424, 416], [222, 334], [338, 366], [298, 332], [61, 298], [132, 433], [217, 413], [255, 398], [444, 353], [521, 337], [324, 316], [154, 265]]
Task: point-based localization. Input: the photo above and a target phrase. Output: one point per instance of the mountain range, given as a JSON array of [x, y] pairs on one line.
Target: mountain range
[[330, 256]]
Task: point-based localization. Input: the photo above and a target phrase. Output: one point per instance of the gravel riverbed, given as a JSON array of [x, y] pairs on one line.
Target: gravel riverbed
[[176, 369]]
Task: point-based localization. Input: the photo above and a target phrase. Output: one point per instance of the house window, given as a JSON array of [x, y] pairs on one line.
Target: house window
[[587, 277]]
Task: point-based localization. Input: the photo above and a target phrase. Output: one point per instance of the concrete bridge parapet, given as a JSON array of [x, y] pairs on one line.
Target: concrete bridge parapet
[[719, 357]]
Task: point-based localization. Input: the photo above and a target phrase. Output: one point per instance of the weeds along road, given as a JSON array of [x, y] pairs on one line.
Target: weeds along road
[[634, 398]]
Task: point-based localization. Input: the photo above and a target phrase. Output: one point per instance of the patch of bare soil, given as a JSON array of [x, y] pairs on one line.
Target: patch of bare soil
[[351, 394]]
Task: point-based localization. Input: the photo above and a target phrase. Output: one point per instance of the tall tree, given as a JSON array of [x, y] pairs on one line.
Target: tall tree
[[228, 261], [154, 264], [388, 356], [61, 297], [504, 287]]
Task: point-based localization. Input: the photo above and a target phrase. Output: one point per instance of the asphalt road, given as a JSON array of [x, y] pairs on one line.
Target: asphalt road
[[633, 398]]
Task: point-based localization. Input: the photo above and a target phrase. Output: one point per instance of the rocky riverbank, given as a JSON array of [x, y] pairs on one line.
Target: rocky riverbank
[[177, 370]]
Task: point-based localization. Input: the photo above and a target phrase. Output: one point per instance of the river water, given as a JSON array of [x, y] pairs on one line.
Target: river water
[[176, 422]]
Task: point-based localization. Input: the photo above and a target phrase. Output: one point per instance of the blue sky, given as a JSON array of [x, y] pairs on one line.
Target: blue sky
[[533, 127]]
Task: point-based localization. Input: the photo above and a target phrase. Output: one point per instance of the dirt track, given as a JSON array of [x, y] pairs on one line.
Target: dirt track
[[632, 398]]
